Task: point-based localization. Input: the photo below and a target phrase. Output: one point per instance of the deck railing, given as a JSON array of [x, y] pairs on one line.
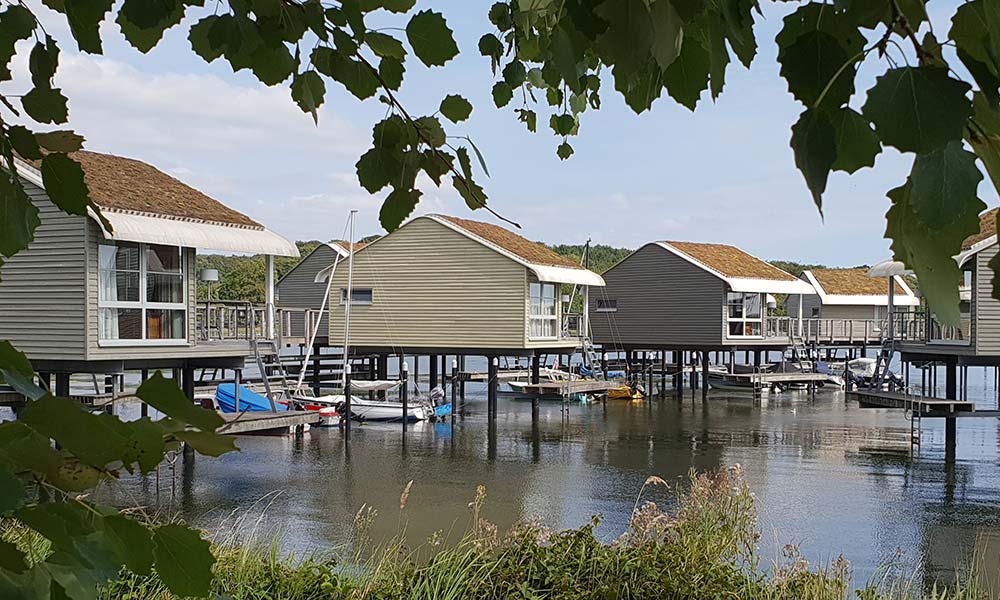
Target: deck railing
[[920, 326], [237, 321], [869, 331]]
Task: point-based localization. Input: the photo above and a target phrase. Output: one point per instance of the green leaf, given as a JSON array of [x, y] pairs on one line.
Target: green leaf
[[667, 26], [857, 142], [687, 77], [46, 105], [714, 36], [60, 141], [431, 131], [145, 444], [928, 249], [812, 66], [918, 109], [16, 371], [94, 440], [502, 94], [815, 148], [18, 217], [455, 108], [21, 447], [490, 46], [500, 16], [183, 560], [273, 64], [473, 195], [308, 90], [43, 62], [84, 17], [436, 164], [398, 205], [943, 179], [11, 491], [430, 38], [208, 443], [11, 559], [385, 45], [529, 118], [133, 542], [391, 72], [143, 22], [739, 24], [24, 142], [983, 135], [564, 124], [628, 41], [354, 75], [514, 73], [565, 55], [64, 184], [376, 168], [16, 23], [396, 6], [207, 38], [564, 151], [978, 44], [164, 395]]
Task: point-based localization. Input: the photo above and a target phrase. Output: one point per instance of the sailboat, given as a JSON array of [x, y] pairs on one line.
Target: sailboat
[[340, 406]]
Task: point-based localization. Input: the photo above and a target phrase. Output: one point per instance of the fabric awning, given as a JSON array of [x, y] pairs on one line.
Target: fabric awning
[[377, 385], [566, 275], [889, 268], [194, 234]]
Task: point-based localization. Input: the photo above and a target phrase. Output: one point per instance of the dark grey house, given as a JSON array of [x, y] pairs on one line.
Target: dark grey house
[[82, 298], [692, 296]]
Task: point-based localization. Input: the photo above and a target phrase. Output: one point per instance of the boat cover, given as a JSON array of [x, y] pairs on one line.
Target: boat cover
[[225, 397], [378, 385]]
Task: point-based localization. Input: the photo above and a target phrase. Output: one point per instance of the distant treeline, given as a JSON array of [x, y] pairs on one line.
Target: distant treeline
[[242, 277]]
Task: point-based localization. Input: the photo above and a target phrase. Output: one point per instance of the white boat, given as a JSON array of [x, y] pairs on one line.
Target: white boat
[[363, 409]]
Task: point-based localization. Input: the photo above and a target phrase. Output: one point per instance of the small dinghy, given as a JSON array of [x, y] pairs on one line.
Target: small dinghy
[[249, 401]]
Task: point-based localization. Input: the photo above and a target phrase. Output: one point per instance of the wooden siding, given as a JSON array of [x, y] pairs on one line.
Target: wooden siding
[[42, 288], [298, 288], [434, 287], [985, 308], [662, 300], [844, 311], [139, 351], [809, 302]]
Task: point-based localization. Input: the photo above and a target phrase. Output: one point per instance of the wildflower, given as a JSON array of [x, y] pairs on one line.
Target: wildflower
[[405, 495]]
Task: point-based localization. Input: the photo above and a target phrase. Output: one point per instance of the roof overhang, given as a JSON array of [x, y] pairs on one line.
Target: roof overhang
[[546, 273], [768, 286], [747, 284], [906, 298], [974, 249], [194, 234]]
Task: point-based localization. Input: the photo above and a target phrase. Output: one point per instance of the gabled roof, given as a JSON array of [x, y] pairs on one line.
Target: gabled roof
[[144, 204], [543, 262], [344, 247], [855, 287], [987, 229], [743, 272]]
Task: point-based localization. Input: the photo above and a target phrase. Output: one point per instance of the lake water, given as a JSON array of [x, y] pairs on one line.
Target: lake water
[[828, 476]]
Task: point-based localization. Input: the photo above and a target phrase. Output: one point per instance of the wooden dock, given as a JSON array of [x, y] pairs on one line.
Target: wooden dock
[[566, 388], [925, 406], [769, 378], [260, 422]]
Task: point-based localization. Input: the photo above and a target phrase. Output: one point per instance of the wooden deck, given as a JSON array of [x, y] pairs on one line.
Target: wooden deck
[[923, 405], [258, 422]]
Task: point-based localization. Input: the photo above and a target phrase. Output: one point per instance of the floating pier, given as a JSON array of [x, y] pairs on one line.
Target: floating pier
[[260, 422], [566, 388], [925, 406]]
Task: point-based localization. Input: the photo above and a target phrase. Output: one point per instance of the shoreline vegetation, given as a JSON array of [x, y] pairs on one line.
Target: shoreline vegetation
[[703, 549]]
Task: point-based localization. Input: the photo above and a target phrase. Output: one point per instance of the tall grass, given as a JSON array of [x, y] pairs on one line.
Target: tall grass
[[705, 549]]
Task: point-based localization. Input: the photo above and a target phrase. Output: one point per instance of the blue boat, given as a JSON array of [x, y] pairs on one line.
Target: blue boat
[[443, 410], [225, 397]]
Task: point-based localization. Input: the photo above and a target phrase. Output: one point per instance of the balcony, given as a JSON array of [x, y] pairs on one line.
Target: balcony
[[227, 322], [923, 327], [813, 330]]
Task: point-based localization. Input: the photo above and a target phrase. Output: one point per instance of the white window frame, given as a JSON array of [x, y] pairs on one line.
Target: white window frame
[[606, 305], [354, 301], [744, 319], [143, 305], [553, 318]]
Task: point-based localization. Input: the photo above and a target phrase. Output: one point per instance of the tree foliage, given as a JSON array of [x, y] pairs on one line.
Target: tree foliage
[[937, 99]]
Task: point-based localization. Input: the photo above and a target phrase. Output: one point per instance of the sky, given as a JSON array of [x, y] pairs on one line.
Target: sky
[[723, 174]]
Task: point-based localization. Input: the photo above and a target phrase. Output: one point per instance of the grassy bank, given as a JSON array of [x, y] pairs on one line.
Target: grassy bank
[[705, 549]]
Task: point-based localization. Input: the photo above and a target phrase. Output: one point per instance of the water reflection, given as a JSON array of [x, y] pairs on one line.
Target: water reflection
[[828, 476]]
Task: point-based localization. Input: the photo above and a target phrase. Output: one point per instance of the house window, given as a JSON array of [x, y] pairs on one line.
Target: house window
[[744, 314], [359, 296], [607, 305], [543, 315], [142, 292]]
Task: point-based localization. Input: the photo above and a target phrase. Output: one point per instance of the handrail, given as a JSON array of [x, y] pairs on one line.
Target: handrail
[[233, 320]]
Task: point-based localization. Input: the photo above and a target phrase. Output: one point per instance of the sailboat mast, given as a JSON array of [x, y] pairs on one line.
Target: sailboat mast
[[350, 296], [586, 294]]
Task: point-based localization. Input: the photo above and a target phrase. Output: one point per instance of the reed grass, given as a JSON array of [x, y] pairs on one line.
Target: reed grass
[[705, 549]]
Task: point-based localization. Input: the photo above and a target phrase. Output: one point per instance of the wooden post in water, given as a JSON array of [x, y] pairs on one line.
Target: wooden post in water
[[604, 365], [704, 374], [347, 402], [454, 388], [433, 371], [535, 367], [491, 389], [950, 392], [143, 407], [461, 384], [404, 395]]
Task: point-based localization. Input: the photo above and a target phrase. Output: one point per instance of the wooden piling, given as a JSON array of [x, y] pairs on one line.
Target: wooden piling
[[404, 395], [454, 388], [432, 371], [491, 387], [704, 374]]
